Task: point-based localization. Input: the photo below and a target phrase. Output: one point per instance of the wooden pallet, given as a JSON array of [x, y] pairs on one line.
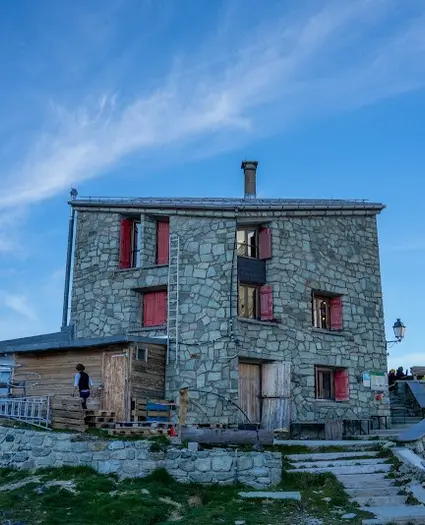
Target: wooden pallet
[[148, 432], [143, 424], [67, 414], [101, 425], [100, 413]]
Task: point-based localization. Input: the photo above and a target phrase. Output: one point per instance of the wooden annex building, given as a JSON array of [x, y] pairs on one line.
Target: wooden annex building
[[123, 369]]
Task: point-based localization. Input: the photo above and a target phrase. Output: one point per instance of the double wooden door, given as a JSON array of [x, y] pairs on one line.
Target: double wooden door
[[265, 393]]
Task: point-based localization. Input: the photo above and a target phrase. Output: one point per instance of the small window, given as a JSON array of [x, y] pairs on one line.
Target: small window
[[247, 242], [332, 383], [142, 354], [327, 312], [248, 301]]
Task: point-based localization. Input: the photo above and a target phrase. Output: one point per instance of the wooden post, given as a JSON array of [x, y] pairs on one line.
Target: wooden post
[[184, 401]]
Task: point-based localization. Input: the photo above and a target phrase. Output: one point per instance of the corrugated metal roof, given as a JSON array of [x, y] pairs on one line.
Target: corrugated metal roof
[[226, 203]]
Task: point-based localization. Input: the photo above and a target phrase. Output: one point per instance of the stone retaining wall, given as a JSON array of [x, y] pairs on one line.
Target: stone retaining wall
[[31, 449]]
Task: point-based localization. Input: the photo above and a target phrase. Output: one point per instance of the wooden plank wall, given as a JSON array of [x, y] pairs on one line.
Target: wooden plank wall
[[147, 379], [57, 369]]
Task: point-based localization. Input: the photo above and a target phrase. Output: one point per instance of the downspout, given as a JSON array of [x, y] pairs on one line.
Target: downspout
[[68, 263]]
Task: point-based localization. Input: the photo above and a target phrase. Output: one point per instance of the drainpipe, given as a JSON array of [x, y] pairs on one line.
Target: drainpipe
[[68, 262]]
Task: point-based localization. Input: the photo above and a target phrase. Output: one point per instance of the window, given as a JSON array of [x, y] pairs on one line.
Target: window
[[142, 354], [327, 312], [332, 383], [155, 308], [162, 242], [129, 243], [254, 242], [247, 241], [248, 305], [255, 302]]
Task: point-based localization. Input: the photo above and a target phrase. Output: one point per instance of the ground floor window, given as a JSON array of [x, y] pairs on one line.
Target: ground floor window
[[332, 383]]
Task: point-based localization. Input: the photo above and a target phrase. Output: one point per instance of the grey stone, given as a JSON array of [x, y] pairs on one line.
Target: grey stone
[[349, 516], [222, 463], [116, 445], [271, 495]]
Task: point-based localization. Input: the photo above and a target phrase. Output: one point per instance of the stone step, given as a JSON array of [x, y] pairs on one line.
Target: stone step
[[359, 469], [355, 481], [370, 492], [378, 500], [319, 456], [395, 514], [341, 463]]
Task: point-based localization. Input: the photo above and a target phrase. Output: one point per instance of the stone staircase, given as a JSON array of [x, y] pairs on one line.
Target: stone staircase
[[366, 478]]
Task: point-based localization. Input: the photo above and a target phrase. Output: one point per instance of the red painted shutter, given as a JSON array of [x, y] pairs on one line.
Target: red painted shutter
[[336, 313], [342, 385], [160, 308], [149, 309], [162, 242], [265, 243], [125, 243], [266, 303]]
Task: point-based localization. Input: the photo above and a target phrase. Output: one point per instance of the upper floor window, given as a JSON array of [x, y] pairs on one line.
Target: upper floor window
[[162, 242], [327, 311], [254, 242], [255, 302], [129, 243]]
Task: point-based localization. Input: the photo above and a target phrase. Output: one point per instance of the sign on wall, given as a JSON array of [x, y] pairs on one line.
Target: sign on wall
[[378, 380], [366, 379]]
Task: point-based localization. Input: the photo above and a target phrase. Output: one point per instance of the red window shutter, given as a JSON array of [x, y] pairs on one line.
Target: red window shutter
[[125, 243], [162, 242], [336, 313], [266, 303], [342, 385], [149, 309], [265, 243], [160, 308]]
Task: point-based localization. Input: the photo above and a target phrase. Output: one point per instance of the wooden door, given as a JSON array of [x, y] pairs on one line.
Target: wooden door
[[114, 374], [250, 390], [276, 394]]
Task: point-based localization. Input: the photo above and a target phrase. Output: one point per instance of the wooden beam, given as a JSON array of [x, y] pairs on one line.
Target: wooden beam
[[217, 436], [184, 401]]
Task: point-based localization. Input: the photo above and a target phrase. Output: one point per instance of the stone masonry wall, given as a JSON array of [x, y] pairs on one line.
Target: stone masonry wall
[[28, 449], [327, 252]]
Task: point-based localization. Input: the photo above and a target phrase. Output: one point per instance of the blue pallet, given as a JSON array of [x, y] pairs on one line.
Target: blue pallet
[[157, 407]]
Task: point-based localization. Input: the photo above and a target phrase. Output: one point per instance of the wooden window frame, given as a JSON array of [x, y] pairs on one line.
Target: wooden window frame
[[145, 351], [243, 248], [136, 244], [317, 321], [257, 300], [319, 371]]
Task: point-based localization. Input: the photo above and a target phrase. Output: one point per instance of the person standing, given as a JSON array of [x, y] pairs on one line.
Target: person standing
[[82, 383]]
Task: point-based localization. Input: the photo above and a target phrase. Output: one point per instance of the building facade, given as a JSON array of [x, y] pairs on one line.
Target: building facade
[[272, 308]]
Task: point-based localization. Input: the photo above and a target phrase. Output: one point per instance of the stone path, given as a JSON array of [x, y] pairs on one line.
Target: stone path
[[364, 476]]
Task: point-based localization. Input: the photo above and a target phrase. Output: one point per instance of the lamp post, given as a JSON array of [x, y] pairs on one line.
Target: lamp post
[[399, 332]]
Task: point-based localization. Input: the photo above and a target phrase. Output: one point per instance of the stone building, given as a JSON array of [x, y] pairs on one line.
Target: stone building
[[274, 306]]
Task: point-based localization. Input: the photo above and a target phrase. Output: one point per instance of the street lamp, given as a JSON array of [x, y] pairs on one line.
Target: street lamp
[[399, 332]]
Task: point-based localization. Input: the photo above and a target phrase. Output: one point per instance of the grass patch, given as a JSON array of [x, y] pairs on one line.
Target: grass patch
[[77, 496]]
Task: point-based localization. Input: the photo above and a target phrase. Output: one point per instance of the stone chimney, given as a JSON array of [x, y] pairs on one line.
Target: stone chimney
[[250, 172]]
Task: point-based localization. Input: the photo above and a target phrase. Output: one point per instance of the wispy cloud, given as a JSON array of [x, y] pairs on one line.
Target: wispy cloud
[[21, 305], [317, 63]]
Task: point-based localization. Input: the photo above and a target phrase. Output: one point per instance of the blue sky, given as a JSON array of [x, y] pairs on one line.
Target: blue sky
[[165, 98]]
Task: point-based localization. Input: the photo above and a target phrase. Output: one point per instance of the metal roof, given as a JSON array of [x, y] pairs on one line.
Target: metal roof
[[38, 344], [226, 203]]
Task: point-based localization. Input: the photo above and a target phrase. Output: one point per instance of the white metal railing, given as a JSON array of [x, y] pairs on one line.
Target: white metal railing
[[30, 410]]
